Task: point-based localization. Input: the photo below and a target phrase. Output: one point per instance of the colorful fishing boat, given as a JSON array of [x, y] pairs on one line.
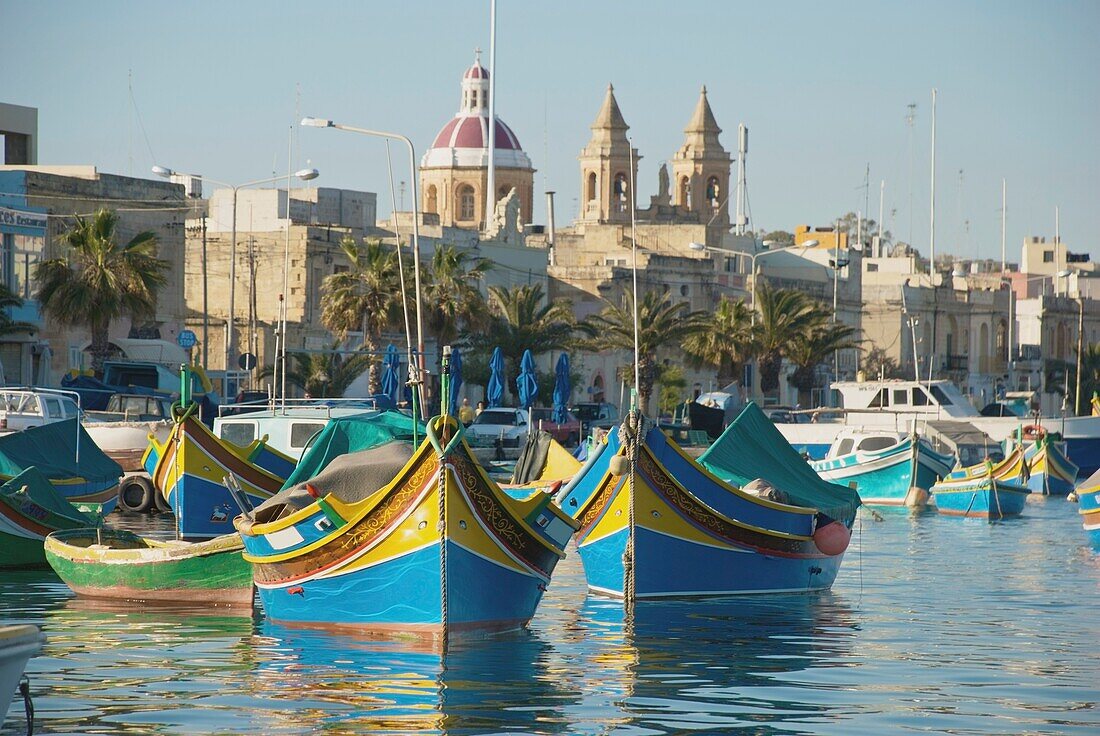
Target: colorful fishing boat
[[543, 464], [1047, 469], [885, 466], [17, 645], [986, 491], [396, 540], [30, 510], [117, 564], [680, 530], [67, 456], [1088, 506], [188, 470]]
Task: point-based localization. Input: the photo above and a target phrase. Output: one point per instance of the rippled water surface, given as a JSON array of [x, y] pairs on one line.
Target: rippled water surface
[[937, 625]]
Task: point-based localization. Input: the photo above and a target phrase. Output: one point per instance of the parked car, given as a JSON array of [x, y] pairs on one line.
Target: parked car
[[595, 414], [568, 433], [509, 425], [786, 415]]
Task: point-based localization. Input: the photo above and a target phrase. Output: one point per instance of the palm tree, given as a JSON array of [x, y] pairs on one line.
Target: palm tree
[[451, 294], [785, 316], [366, 297], [521, 319], [324, 375], [725, 343], [10, 300], [811, 349], [660, 324], [100, 280], [1090, 375]]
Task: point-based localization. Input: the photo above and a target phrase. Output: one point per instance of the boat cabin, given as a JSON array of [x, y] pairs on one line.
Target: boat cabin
[[288, 428], [933, 398], [854, 439], [32, 407]]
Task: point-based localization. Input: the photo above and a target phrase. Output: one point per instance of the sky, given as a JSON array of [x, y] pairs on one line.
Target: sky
[[824, 89]]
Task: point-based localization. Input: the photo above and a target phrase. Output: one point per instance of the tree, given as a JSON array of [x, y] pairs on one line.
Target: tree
[[451, 295], [366, 297], [10, 300], [876, 363], [810, 349], [850, 223], [725, 343], [521, 319], [324, 375], [672, 382], [660, 324], [785, 316], [778, 238], [1090, 376], [99, 280]]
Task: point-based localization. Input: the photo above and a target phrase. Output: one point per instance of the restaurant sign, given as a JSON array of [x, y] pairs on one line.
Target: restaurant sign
[[22, 218]]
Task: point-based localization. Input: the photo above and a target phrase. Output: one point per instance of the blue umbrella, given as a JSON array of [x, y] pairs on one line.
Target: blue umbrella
[[494, 392], [456, 380], [391, 372], [526, 382], [562, 389]]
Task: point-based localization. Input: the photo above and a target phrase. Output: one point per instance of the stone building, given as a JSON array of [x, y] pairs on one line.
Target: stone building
[[38, 204], [454, 172]]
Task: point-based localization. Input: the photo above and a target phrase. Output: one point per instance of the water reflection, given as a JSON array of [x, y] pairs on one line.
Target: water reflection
[[506, 683], [719, 666]]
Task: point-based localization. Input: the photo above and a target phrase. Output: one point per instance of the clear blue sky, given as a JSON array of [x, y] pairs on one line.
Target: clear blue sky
[[823, 88]]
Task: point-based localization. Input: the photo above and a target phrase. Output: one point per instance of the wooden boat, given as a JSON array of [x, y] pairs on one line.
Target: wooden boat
[[683, 531], [188, 469], [1046, 468], [987, 490], [116, 564], [1088, 506], [883, 465], [17, 645], [396, 540], [543, 464], [30, 510], [67, 456]]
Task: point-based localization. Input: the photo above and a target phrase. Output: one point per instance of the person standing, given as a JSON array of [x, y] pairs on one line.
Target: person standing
[[466, 412]]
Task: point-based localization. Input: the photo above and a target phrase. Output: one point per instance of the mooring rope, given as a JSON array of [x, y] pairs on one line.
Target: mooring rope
[[631, 432]]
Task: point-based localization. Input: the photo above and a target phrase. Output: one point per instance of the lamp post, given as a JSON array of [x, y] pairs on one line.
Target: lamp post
[[1065, 274], [304, 175], [322, 123], [752, 258]]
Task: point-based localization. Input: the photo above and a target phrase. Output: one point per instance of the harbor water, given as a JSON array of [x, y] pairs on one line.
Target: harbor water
[[935, 625]]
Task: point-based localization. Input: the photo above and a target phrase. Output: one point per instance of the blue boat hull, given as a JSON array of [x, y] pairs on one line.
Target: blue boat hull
[[885, 478], [1049, 484], [984, 500]]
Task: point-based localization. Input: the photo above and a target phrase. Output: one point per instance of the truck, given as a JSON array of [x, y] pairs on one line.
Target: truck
[[595, 415]]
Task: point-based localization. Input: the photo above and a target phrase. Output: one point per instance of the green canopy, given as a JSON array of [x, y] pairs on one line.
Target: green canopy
[[351, 434], [37, 487], [751, 448], [52, 448]]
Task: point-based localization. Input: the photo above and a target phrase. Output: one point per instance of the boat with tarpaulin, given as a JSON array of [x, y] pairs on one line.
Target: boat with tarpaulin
[[687, 528], [30, 510], [543, 464], [65, 454], [393, 539], [117, 564]]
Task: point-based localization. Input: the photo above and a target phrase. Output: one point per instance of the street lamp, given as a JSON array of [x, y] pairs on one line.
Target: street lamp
[[304, 175], [323, 123], [1065, 274], [752, 257]]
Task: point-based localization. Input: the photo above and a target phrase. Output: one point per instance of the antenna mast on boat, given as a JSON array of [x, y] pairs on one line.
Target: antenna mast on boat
[[634, 273], [491, 137], [932, 242], [401, 278]]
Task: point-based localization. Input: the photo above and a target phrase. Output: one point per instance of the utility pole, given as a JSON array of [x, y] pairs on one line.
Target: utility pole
[[205, 302], [1004, 210]]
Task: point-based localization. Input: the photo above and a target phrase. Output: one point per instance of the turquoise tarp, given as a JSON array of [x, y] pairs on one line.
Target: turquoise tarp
[[751, 448], [351, 434], [52, 449], [38, 488]]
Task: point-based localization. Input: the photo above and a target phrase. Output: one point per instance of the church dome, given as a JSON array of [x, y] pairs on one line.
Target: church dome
[[463, 140]]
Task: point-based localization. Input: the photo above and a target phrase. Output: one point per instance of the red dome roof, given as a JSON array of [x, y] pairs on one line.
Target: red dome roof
[[469, 131], [477, 71]]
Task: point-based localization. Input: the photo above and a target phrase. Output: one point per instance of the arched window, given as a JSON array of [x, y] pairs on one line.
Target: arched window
[[1002, 340], [465, 203], [714, 193], [983, 341], [432, 205], [591, 196], [685, 191]]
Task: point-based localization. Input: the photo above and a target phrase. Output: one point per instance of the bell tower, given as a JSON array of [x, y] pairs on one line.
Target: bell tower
[[605, 167], [701, 168]]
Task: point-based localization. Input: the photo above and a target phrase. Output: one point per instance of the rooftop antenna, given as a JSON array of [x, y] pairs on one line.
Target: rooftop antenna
[[742, 182]]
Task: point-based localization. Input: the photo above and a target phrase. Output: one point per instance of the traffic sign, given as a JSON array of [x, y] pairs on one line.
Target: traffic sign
[[247, 361], [186, 339]]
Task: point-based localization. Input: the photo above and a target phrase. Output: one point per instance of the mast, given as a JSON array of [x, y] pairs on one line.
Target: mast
[[490, 184], [1004, 195]]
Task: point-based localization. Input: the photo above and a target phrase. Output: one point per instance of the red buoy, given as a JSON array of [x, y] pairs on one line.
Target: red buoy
[[833, 538]]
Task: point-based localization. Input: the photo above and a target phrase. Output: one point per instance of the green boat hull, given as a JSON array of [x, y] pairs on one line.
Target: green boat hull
[[19, 552], [30, 510], [119, 565]]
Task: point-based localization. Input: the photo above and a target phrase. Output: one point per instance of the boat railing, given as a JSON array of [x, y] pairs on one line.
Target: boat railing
[[34, 391], [297, 404]]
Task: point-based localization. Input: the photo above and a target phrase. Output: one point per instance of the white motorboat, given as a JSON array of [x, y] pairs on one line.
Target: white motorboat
[[17, 645]]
